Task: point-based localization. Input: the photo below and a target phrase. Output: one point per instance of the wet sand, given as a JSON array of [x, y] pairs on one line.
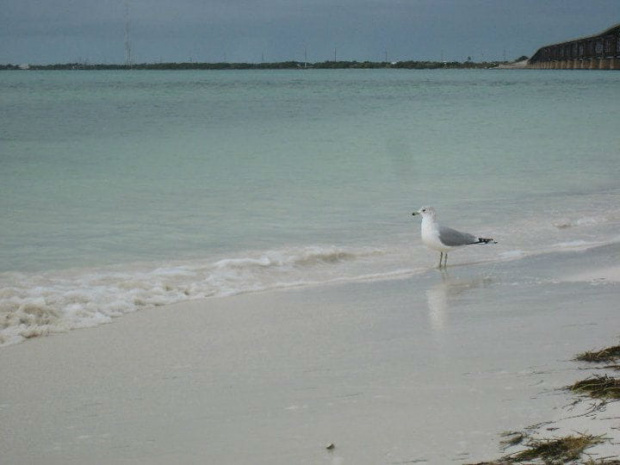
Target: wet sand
[[425, 369]]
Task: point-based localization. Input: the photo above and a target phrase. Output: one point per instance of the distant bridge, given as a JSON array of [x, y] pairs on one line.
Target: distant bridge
[[601, 51]]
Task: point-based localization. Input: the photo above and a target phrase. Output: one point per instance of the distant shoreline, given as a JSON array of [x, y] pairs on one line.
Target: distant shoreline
[[258, 66]]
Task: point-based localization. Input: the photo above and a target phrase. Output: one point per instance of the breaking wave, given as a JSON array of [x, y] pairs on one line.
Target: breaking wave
[[35, 304]]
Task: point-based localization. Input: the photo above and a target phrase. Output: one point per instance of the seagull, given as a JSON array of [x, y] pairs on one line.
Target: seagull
[[444, 239]]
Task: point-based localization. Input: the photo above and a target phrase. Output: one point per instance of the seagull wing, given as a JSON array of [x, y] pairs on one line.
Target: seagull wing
[[453, 238]]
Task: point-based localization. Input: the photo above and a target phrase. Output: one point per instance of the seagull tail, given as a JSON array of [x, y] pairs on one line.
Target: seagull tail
[[485, 240]]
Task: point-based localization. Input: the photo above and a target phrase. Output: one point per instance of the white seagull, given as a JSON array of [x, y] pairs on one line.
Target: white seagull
[[444, 239]]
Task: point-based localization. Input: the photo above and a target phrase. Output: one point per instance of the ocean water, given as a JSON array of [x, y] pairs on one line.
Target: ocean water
[[126, 190]]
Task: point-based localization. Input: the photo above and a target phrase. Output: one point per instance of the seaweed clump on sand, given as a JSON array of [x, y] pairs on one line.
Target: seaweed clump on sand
[[599, 387], [569, 449], [608, 355], [560, 450], [550, 451]]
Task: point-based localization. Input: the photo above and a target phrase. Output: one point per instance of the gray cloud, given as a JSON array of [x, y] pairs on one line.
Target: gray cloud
[[47, 31]]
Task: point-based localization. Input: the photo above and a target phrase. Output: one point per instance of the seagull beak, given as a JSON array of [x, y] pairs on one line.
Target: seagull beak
[[415, 213]]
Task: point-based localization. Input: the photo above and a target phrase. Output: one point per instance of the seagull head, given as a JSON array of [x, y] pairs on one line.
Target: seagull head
[[425, 212]]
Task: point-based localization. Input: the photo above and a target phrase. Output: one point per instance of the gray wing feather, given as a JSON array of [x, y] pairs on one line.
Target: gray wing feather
[[454, 238]]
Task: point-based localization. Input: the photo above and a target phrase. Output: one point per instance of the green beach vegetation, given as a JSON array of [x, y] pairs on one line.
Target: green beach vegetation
[[249, 66]]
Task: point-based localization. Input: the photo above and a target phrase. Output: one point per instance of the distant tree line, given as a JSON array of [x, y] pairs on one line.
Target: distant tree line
[[279, 65]]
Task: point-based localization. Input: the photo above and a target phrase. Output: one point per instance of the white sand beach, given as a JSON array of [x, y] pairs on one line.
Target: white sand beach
[[426, 369]]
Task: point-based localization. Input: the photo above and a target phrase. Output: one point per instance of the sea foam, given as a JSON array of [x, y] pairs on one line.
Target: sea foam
[[35, 304]]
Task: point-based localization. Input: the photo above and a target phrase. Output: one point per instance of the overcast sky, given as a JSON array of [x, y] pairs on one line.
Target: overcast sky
[[61, 31]]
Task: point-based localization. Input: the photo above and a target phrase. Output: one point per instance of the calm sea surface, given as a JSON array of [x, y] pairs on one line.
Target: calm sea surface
[[124, 190]]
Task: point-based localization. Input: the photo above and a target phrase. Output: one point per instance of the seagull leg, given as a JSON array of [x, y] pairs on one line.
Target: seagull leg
[[445, 260], [440, 259]]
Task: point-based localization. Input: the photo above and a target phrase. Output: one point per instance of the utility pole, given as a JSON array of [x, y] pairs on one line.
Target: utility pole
[[127, 38]]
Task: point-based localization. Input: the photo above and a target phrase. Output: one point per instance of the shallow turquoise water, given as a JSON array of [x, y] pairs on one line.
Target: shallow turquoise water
[[189, 184]]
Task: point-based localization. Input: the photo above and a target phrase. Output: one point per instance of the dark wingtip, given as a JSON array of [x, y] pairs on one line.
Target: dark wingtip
[[485, 240]]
